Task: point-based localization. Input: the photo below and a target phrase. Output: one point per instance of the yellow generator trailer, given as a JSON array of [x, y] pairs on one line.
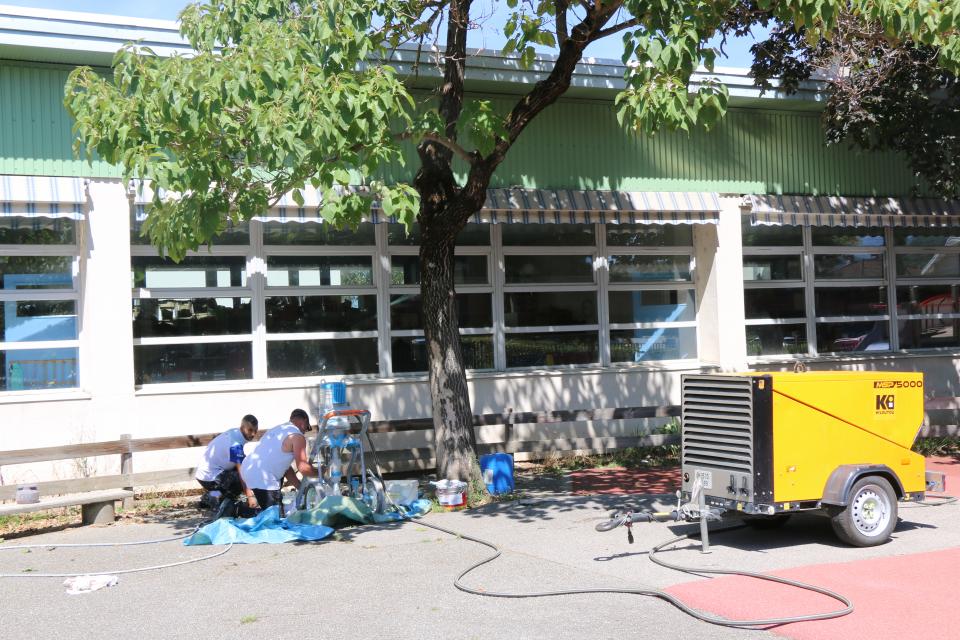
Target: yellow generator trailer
[[769, 444]]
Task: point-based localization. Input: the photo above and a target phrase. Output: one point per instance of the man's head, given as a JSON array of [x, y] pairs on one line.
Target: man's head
[[300, 419], [248, 427]]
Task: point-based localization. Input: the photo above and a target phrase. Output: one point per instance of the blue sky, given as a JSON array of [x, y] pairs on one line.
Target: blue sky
[[738, 51]]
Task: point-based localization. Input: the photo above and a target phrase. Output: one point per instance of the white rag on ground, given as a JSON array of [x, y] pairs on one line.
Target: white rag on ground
[[86, 584]]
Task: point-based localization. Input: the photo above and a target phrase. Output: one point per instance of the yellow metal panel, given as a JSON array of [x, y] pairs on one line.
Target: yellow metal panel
[[822, 420]]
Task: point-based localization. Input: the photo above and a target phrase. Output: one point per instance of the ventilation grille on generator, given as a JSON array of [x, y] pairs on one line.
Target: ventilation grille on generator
[[717, 414]]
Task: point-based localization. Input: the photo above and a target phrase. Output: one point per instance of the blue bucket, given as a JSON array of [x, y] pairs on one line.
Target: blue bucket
[[336, 391], [497, 470]]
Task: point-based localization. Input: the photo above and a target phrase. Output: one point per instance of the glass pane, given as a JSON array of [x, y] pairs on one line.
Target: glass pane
[[319, 271], [852, 336], [322, 357], [649, 235], [410, 353], [471, 235], [548, 269], [777, 339], [473, 311], [850, 301], [549, 308], [548, 235], [466, 270], [192, 362], [652, 306], [772, 268], [643, 345], [36, 272], [773, 303], [847, 236], [849, 266], [929, 300], [232, 235], [930, 334], [186, 317], [303, 314], [318, 233], [927, 237], [193, 272], [36, 320], [649, 268], [23, 230], [38, 369], [548, 349], [929, 265], [764, 235]]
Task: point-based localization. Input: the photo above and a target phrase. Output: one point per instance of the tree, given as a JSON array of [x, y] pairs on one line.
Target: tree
[[281, 94], [883, 93]]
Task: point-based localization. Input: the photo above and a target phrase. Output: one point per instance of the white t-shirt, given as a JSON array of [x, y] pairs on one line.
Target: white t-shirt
[[223, 453], [264, 468]]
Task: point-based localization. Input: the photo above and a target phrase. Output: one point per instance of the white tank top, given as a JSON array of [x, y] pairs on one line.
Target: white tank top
[[264, 468]]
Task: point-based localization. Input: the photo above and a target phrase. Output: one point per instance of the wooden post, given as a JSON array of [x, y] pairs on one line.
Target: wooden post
[[126, 470], [508, 430]]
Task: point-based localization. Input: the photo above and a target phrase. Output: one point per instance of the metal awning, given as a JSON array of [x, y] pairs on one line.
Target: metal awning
[[532, 206], [835, 211], [42, 197]]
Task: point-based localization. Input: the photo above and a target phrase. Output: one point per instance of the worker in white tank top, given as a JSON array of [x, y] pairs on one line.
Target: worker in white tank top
[[269, 465]]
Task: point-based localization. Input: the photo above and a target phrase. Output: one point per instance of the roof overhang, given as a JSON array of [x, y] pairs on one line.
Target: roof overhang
[[74, 38]]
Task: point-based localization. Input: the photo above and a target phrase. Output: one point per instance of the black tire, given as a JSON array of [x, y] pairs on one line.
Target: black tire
[[870, 514], [767, 523]]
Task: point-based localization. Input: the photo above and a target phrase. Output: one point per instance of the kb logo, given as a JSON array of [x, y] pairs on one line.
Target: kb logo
[[885, 402]]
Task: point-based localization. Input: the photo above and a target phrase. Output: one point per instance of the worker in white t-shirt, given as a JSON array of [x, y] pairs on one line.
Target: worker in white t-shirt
[[269, 465], [219, 470]]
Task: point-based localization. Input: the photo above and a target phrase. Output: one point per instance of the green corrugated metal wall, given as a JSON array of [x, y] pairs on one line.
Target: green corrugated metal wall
[[576, 144]]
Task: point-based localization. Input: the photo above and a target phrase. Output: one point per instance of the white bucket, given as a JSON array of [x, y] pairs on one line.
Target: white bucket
[[451, 493], [403, 492]]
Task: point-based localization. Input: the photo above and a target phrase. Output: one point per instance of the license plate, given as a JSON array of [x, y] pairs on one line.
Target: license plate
[[705, 478]]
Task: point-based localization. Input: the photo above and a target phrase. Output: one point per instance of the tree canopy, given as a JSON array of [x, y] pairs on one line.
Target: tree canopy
[[280, 94]]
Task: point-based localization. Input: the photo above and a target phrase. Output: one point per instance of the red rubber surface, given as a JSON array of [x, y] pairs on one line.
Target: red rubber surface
[[619, 480], [898, 598]]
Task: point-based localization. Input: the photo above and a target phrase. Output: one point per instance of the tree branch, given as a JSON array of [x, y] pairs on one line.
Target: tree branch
[[560, 6], [452, 146], [603, 33]]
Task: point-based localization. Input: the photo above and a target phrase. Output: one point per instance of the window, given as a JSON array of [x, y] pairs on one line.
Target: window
[[927, 289], [306, 300], [320, 300], [471, 270], [192, 320], [39, 265], [827, 282], [652, 303]]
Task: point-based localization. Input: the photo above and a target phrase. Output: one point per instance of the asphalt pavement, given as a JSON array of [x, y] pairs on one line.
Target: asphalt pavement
[[397, 580]]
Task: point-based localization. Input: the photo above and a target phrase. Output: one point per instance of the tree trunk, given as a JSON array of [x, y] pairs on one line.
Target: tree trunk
[[455, 441]]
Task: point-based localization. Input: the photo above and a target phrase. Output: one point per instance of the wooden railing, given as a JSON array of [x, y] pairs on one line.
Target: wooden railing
[[392, 460]]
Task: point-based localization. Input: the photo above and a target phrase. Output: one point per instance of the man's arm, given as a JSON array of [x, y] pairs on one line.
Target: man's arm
[[247, 491], [300, 460]]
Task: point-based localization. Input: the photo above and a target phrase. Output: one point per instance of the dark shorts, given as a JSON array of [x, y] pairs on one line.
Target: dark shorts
[[268, 497], [227, 483]]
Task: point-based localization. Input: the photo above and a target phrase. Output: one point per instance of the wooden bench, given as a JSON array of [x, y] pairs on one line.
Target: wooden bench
[[96, 506]]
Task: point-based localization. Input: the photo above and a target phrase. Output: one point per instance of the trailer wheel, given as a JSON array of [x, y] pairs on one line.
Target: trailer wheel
[[767, 523], [870, 514]]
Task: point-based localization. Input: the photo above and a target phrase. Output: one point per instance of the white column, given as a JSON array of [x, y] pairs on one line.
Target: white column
[[106, 328], [718, 250]]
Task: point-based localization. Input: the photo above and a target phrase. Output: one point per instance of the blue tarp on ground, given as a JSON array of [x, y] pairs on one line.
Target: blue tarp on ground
[[308, 525]]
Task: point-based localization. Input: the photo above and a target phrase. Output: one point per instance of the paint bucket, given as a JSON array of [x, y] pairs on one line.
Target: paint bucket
[[451, 493], [28, 494], [497, 470], [403, 492]]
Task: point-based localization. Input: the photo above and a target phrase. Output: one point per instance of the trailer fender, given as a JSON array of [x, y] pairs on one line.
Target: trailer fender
[[837, 490]]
